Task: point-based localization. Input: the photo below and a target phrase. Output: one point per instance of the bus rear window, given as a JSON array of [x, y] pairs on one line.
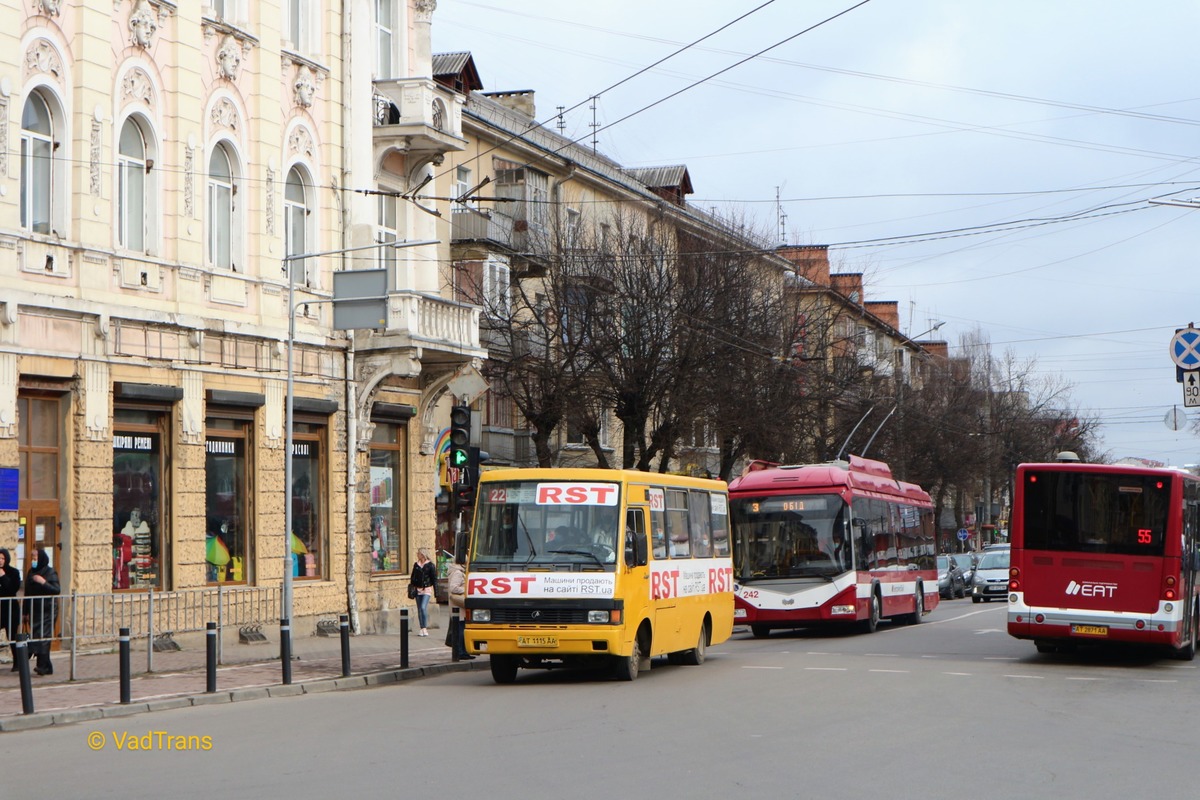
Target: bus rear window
[[1095, 513]]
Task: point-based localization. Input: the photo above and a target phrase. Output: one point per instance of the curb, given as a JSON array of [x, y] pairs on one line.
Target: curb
[[74, 716]]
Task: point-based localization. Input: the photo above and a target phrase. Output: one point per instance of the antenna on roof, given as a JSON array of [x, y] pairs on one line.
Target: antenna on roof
[[595, 124], [560, 123], [781, 215]]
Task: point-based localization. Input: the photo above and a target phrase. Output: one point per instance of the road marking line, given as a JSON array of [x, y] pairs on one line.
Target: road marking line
[[893, 671], [1087, 679], [1154, 680], [1028, 677], [964, 674], [882, 655]]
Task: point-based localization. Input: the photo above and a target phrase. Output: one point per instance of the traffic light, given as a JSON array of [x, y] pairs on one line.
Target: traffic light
[[460, 438], [463, 496]]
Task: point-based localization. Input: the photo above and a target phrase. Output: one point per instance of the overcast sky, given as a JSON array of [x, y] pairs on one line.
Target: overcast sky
[[925, 124]]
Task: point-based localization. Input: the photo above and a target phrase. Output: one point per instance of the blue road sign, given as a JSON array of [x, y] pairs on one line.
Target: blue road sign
[[1185, 348], [963, 534]]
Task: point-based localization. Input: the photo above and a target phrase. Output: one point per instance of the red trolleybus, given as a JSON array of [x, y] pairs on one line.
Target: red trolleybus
[[1104, 553], [830, 543]]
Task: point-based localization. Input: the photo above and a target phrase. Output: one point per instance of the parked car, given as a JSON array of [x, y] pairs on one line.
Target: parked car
[[996, 546], [950, 578], [967, 562], [991, 576]]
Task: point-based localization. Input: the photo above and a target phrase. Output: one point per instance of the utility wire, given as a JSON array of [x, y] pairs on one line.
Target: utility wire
[[534, 125]]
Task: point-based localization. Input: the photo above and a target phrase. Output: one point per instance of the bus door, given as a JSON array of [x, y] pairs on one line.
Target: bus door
[[636, 577]]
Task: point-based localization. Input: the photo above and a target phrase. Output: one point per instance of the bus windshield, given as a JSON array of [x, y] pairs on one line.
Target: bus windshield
[[1095, 513], [562, 525], [796, 536]]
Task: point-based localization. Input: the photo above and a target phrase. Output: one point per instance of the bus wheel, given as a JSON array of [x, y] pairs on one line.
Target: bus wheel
[[626, 668], [760, 631], [695, 656], [871, 623], [504, 668]]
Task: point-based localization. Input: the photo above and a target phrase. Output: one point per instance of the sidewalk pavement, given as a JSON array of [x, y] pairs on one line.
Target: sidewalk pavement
[[248, 672]]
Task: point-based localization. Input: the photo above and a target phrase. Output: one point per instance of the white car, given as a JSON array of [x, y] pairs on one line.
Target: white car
[[991, 576]]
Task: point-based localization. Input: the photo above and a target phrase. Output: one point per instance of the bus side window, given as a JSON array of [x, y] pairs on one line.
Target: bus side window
[[635, 538]]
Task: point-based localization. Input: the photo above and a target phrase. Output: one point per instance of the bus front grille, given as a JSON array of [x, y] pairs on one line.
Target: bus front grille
[[539, 616]]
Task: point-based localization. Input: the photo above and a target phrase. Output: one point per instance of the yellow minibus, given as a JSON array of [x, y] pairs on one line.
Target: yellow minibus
[[597, 567]]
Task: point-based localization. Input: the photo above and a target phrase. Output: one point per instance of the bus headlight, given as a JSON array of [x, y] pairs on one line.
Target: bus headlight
[[598, 616], [481, 615], [841, 610]]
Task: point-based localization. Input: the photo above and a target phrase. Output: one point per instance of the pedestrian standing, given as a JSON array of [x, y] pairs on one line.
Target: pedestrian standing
[[10, 608], [41, 587], [456, 586], [424, 577]]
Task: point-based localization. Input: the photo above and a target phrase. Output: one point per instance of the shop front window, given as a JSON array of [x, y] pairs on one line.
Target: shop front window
[[387, 485], [226, 545], [308, 528], [140, 553]]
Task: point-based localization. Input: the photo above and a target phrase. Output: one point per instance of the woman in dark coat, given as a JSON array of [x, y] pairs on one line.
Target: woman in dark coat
[[10, 608], [41, 586]]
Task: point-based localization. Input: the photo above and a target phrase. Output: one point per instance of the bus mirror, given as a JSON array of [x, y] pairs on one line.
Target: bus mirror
[[635, 549]]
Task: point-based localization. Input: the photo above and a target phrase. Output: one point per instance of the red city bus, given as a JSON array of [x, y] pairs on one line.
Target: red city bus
[[1104, 554], [830, 543]]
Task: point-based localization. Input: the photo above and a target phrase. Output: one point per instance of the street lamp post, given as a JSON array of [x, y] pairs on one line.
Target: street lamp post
[[288, 558]]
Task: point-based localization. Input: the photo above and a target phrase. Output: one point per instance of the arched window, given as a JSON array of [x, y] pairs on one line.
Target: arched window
[[221, 190], [37, 165], [296, 210], [132, 166]]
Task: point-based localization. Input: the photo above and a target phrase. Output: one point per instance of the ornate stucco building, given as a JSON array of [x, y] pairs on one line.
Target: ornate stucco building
[[163, 165]]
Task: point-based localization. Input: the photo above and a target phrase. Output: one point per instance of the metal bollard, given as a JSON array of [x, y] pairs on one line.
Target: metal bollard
[[22, 657], [125, 667], [285, 649], [455, 631], [404, 638], [210, 665], [344, 625]]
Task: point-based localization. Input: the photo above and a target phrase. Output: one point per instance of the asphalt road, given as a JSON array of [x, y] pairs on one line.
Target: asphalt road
[[950, 708]]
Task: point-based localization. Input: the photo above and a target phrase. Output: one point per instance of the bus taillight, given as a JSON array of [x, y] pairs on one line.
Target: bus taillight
[[1014, 579], [1169, 592]]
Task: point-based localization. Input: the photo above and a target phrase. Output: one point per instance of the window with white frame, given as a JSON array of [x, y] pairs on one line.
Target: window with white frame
[[133, 166], [572, 225], [538, 197], [384, 20], [577, 428], [462, 182], [495, 287], [387, 229], [37, 165], [297, 211], [297, 23], [221, 217]]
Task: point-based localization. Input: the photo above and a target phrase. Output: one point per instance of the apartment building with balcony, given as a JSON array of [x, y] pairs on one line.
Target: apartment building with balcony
[[163, 166]]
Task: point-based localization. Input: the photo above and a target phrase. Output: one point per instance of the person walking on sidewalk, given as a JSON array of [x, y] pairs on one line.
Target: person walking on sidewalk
[[10, 608], [456, 586], [424, 578], [41, 587]]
